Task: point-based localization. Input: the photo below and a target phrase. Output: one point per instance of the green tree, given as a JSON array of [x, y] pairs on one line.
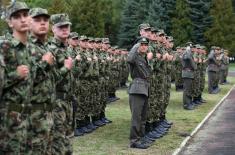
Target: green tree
[[223, 28], [129, 23], [157, 14], [170, 6], [87, 17], [181, 23], [201, 20]]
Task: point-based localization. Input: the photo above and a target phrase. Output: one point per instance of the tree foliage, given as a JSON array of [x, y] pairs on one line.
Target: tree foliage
[[201, 20], [223, 28], [181, 23]]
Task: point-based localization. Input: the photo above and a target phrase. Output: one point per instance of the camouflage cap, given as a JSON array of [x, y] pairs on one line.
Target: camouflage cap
[[197, 46], [91, 39], [170, 38], [154, 29], [106, 41], [83, 38], [203, 47], [60, 19], [115, 47], [38, 12], [143, 41], [73, 35], [160, 32], [144, 26], [98, 40], [17, 6], [213, 47]]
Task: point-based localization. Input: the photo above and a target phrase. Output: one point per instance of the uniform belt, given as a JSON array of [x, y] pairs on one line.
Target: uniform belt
[[41, 106], [16, 107], [22, 108]]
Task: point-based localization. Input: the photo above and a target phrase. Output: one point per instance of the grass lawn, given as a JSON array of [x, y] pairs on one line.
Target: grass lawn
[[232, 66], [112, 139]]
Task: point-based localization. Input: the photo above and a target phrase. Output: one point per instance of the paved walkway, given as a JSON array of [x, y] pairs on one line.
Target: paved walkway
[[217, 136]]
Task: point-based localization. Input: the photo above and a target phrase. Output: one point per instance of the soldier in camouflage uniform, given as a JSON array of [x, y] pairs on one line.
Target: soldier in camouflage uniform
[[114, 73], [17, 86], [43, 95], [62, 113], [168, 43], [83, 111], [196, 80], [124, 68], [75, 53], [202, 62], [93, 122], [154, 110], [224, 67], [104, 74], [178, 69]]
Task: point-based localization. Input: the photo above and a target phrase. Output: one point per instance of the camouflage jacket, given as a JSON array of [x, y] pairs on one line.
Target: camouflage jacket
[[64, 76], [16, 90], [43, 73]]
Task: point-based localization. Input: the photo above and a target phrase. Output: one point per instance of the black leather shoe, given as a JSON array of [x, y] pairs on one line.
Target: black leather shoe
[[105, 120], [167, 122], [147, 140], [153, 135], [189, 107], [99, 123], [139, 145], [197, 102], [78, 132], [160, 132], [164, 125], [86, 130], [202, 100]]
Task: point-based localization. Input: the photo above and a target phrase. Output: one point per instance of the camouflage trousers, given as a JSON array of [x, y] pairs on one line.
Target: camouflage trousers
[[95, 95], [39, 132], [156, 98], [13, 133], [124, 75], [167, 89], [196, 90], [114, 82], [178, 79], [202, 77], [83, 96], [62, 128], [103, 93]]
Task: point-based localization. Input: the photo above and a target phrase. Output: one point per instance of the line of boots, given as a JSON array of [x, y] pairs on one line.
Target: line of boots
[[90, 124]]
